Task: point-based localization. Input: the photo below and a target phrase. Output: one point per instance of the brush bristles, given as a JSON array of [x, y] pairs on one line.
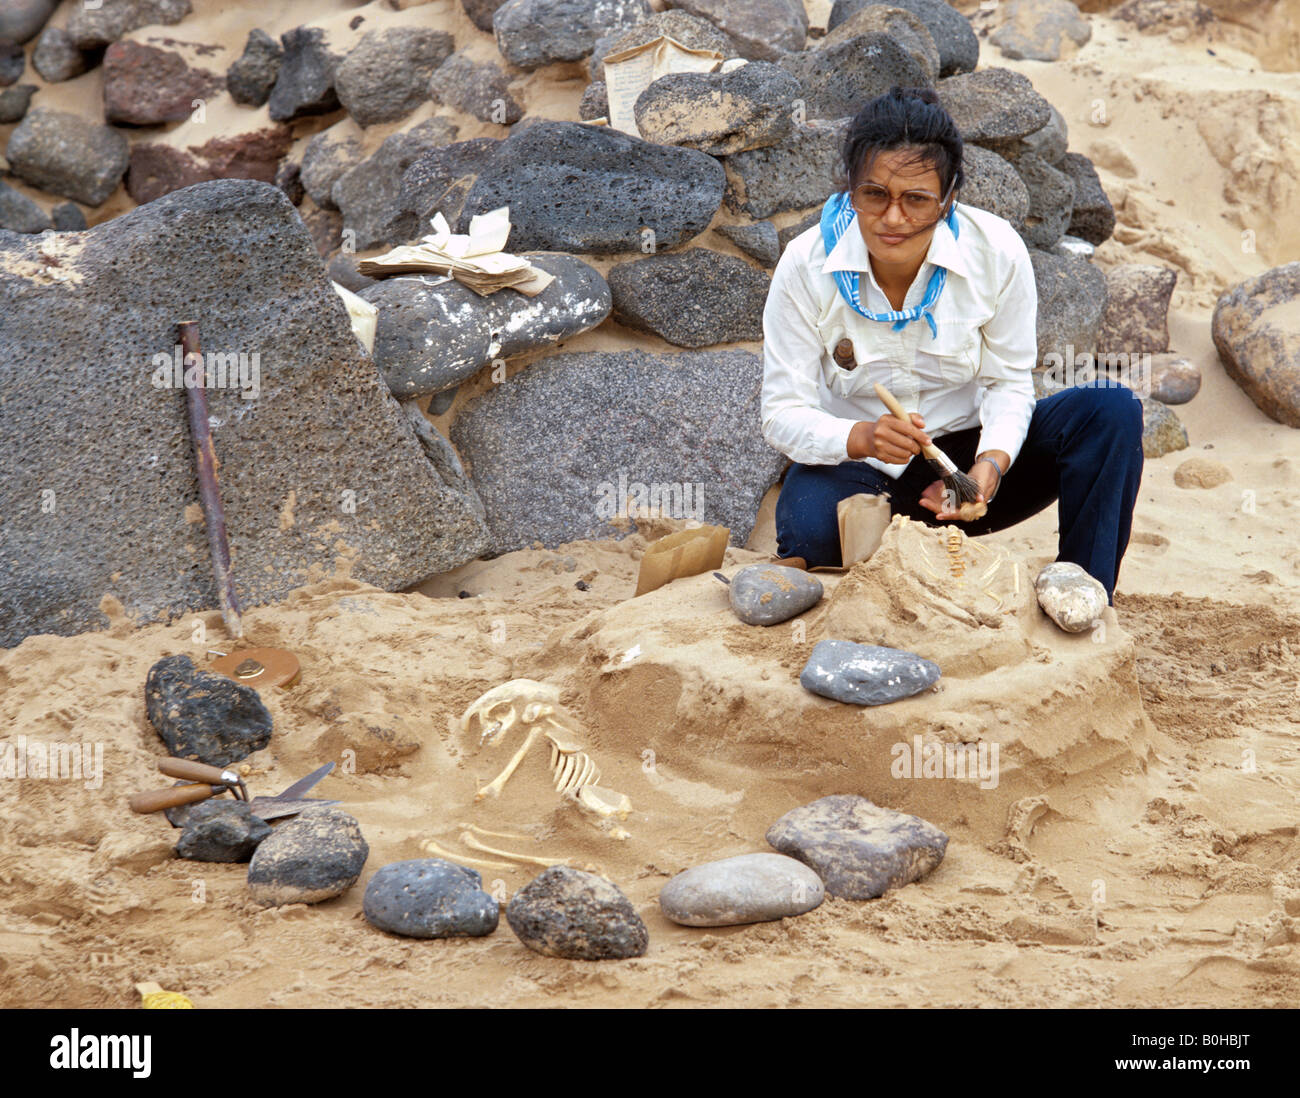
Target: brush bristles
[[963, 488]]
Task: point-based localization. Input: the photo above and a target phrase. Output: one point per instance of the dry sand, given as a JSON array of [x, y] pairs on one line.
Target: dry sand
[[1139, 849]]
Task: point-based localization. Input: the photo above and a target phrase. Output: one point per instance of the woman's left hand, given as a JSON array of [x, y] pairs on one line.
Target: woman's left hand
[[934, 499]]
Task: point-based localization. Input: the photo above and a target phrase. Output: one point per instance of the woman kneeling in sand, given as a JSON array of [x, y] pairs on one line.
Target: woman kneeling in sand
[[946, 320]]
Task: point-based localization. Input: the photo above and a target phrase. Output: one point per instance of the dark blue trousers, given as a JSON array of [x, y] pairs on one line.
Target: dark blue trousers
[[1083, 449]]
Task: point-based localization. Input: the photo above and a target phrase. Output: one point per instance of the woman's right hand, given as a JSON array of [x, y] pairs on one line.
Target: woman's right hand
[[888, 439]]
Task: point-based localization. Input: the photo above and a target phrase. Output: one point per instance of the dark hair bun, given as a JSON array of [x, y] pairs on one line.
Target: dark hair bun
[[904, 118]]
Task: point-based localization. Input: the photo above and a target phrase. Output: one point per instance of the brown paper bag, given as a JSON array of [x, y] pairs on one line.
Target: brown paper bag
[[863, 520], [685, 553]]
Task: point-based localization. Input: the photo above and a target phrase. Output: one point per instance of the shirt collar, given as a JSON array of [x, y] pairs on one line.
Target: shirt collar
[[850, 251]]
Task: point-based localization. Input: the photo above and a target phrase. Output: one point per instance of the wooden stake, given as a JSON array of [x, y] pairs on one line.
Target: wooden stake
[[205, 460]]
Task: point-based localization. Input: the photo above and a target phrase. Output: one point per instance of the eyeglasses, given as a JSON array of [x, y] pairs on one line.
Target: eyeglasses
[[919, 207]]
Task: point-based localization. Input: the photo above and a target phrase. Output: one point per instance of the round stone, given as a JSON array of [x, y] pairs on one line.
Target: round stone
[[750, 888], [766, 594], [430, 898], [566, 912], [1070, 596], [866, 674], [1201, 473], [316, 856]]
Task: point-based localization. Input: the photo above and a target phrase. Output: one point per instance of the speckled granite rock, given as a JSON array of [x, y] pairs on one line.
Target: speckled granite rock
[[565, 912], [317, 855]]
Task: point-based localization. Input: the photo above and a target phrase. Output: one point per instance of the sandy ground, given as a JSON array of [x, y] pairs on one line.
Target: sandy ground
[[1139, 850]]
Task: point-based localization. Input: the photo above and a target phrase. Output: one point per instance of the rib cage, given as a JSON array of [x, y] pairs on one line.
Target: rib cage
[[572, 769]]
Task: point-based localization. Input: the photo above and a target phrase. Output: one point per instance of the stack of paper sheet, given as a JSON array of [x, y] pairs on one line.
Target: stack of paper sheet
[[476, 258]]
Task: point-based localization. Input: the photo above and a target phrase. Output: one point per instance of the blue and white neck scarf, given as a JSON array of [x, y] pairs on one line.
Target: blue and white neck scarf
[[837, 216]]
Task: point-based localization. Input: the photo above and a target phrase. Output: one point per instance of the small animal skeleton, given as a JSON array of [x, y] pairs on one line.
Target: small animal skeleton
[[533, 705]]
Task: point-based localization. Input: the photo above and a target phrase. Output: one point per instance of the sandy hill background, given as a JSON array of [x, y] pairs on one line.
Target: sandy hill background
[[1139, 863]]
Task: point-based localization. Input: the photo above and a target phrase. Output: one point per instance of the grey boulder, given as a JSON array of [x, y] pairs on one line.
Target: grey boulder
[[304, 85], [328, 157], [1051, 201], [1092, 217], [566, 912], [866, 674], [317, 855], [719, 112], [687, 423], [297, 487], [692, 298], [571, 188], [434, 332], [761, 29], [430, 898], [1037, 30], [14, 102], [1071, 303], [385, 76], [837, 81], [1136, 320], [992, 184], [251, 78], [859, 849], [793, 174], [768, 594], [480, 89], [68, 155], [1070, 597], [750, 888], [994, 107], [959, 48], [91, 28], [903, 26], [19, 214], [22, 20], [1162, 431], [221, 831], [56, 57], [759, 240], [532, 33]]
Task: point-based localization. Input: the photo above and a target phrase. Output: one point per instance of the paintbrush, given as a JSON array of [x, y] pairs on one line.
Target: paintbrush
[[962, 487]]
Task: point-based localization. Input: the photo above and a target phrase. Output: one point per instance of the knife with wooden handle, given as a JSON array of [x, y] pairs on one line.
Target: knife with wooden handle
[[155, 800]]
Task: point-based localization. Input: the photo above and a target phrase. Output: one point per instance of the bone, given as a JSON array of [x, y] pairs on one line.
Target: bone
[[468, 839]]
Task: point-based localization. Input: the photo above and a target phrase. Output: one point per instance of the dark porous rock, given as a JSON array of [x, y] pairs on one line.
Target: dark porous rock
[[328, 157], [1174, 380], [19, 214], [325, 228], [595, 102], [904, 27], [687, 423], [146, 86], [221, 831], [571, 188], [481, 12], [719, 112], [237, 255], [1050, 142], [445, 461], [158, 168], [305, 83], [482, 90], [959, 48], [370, 195], [751, 888], [768, 594], [994, 107], [866, 674], [288, 177], [992, 184], [565, 912], [813, 220], [68, 155], [67, 217], [1137, 309], [440, 403], [761, 29], [1162, 431], [56, 57], [342, 269], [690, 30], [1071, 303], [792, 175], [251, 78], [759, 240], [1051, 200], [532, 33], [1256, 329], [317, 855], [14, 102], [1093, 216], [22, 20], [837, 81], [859, 849], [93, 28], [385, 76], [693, 298], [1037, 30], [430, 898], [434, 332], [204, 715], [13, 63]]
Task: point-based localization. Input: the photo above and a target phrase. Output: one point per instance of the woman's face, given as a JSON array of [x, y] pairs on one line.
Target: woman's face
[[891, 237]]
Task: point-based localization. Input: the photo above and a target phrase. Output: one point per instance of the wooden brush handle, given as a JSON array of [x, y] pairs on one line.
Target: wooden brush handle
[[157, 799], [895, 409], [196, 771]]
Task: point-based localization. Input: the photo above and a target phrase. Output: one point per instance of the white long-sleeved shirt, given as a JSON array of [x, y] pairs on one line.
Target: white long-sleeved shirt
[[976, 371]]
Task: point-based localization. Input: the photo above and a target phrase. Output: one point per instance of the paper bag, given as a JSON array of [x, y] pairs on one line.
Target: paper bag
[[629, 72], [863, 520], [685, 553]]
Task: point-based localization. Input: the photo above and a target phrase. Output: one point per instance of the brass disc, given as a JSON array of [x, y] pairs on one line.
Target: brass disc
[[258, 667]]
